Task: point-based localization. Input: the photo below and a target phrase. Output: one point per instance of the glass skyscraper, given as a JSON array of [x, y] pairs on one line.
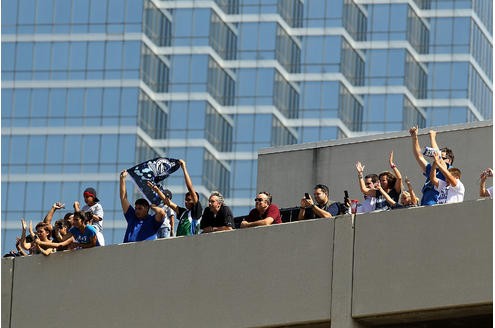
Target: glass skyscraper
[[91, 87]]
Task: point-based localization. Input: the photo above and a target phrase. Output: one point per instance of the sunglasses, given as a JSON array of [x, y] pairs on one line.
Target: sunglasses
[[258, 199]]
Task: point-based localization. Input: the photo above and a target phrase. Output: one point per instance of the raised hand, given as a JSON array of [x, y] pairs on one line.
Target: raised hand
[[359, 167], [413, 131]]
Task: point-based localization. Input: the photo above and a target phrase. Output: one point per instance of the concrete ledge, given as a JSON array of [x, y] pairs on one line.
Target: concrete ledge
[[414, 263], [7, 279], [256, 277], [394, 267]]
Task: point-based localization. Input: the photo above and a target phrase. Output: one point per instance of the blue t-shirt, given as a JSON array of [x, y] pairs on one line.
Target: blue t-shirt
[[430, 195], [139, 230], [84, 237]]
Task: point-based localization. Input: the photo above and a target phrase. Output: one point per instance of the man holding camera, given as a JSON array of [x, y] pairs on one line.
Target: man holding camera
[[323, 208]]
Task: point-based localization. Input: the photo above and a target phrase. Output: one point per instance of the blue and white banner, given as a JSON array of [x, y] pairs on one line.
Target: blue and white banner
[[154, 170]]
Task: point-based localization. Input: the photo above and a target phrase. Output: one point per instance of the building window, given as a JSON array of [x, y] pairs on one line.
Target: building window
[[285, 97], [218, 130], [156, 25], [152, 118]]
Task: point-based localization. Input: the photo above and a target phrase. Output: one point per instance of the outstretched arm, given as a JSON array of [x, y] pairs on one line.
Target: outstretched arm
[[365, 190], [189, 183], [417, 149], [433, 142], [23, 243], [162, 196], [49, 216], [433, 139], [123, 192], [398, 181]]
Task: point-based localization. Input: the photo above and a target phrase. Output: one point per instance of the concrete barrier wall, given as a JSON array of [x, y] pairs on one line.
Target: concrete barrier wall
[[404, 262], [7, 276], [411, 261], [245, 278], [290, 171]]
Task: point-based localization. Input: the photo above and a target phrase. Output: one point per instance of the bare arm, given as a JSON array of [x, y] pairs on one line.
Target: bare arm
[[172, 224], [19, 248], [77, 206], [433, 174], [414, 199], [215, 229], [165, 199], [69, 240], [123, 192], [23, 243], [365, 190], [49, 216], [267, 221], [443, 168], [189, 183], [417, 149], [159, 212], [398, 181], [433, 142], [433, 139], [389, 199], [45, 252]]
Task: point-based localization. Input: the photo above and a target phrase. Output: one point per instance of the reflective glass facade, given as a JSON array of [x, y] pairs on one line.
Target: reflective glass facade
[[90, 87]]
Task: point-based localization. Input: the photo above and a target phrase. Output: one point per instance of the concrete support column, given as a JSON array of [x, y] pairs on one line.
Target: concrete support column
[[343, 253]]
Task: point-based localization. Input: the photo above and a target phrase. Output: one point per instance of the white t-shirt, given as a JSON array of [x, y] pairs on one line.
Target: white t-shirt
[[450, 194], [367, 205], [168, 213], [96, 209], [490, 191]]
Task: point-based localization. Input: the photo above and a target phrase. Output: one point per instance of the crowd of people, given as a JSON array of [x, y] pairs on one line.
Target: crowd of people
[[83, 227]]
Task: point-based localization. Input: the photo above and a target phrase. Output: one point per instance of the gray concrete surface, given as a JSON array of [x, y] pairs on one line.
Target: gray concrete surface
[[414, 263], [7, 276], [245, 278], [392, 267]]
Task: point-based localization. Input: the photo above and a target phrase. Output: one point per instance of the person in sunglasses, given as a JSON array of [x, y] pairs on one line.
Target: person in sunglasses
[[430, 194], [264, 213]]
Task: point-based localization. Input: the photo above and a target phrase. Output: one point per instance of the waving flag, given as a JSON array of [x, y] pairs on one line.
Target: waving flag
[[154, 170]]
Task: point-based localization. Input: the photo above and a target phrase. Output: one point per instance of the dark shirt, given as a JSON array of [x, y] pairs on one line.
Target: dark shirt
[[332, 208], [224, 218], [272, 211]]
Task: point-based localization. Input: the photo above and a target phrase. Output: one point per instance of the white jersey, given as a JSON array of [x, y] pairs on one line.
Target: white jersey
[[168, 214], [450, 194]]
